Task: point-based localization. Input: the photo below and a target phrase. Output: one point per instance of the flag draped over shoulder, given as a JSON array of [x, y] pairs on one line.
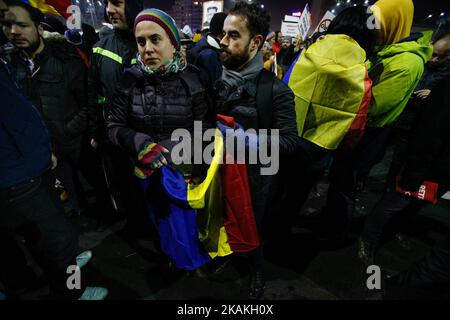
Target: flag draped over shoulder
[[52, 7], [332, 92]]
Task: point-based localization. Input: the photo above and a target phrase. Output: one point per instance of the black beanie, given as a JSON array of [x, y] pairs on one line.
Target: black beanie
[[53, 24], [216, 25], [132, 9]]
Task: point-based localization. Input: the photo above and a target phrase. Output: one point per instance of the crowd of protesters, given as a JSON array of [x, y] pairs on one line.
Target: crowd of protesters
[[80, 107]]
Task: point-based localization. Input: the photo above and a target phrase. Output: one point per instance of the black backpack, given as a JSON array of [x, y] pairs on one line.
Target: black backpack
[[264, 98]]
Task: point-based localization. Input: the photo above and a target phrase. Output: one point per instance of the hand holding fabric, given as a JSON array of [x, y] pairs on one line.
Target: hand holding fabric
[[224, 129], [422, 94], [150, 158], [54, 162], [251, 139]]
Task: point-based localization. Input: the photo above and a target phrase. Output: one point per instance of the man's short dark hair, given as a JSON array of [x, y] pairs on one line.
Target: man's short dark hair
[[352, 22], [215, 9], [258, 19], [35, 14]]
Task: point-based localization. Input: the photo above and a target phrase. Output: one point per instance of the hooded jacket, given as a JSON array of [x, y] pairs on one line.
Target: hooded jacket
[[396, 70], [206, 57], [395, 19], [115, 51], [398, 62]]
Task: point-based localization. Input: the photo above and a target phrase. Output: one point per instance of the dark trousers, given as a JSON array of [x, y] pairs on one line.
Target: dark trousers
[[260, 188], [429, 278], [66, 172], [125, 189], [32, 209], [92, 169], [391, 205], [298, 174], [347, 166]]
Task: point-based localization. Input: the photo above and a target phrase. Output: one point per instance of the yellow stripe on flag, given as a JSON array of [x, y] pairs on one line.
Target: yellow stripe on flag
[[44, 7], [223, 248], [196, 193]]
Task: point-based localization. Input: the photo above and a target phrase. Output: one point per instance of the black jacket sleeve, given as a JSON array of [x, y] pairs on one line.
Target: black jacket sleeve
[[284, 117], [95, 110], [77, 79], [118, 130]]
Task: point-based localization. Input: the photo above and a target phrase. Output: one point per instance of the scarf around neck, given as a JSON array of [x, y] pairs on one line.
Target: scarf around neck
[[234, 79], [169, 67]]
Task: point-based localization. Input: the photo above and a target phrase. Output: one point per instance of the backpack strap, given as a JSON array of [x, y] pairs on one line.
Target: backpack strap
[[264, 98], [191, 80]]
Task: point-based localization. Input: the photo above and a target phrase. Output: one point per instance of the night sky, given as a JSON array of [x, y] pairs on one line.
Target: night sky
[[278, 8]]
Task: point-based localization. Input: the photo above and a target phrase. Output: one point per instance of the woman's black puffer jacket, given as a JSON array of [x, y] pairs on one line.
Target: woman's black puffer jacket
[[149, 108]]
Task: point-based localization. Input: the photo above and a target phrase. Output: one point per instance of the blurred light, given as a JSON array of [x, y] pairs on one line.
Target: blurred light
[[348, 1], [262, 6], [442, 14], [430, 16], [333, 11], [366, 2]]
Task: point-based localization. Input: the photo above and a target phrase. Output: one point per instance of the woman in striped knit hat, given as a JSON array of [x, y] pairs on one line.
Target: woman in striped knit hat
[[159, 94]]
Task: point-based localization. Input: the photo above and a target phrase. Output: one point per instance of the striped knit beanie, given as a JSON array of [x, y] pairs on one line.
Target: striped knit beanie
[[164, 20]]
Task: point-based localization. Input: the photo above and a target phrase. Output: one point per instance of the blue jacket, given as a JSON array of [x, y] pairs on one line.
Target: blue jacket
[[25, 150], [207, 59]]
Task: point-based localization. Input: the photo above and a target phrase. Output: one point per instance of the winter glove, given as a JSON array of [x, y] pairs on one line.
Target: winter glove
[[223, 129], [150, 158], [251, 139]]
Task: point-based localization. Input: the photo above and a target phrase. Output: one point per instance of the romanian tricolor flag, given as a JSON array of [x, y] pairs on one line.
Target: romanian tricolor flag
[[52, 7], [332, 92], [197, 223]]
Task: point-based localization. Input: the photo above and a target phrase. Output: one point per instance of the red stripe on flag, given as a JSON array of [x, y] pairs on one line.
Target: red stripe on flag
[[60, 6]]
